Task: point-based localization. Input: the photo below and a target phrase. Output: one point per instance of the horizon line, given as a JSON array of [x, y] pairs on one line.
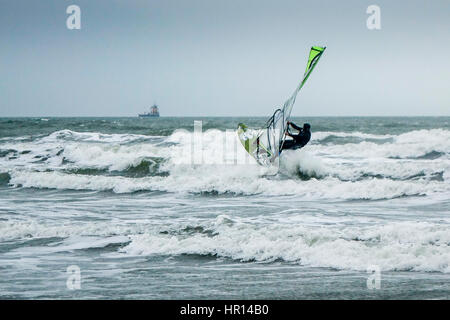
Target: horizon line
[[240, 116]]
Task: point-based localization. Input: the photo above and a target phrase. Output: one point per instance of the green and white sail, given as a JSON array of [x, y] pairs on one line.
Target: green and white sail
[[266, 145], [281, 118]]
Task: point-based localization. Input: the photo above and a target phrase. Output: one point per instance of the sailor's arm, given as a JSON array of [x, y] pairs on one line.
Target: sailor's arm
[[293, 125]]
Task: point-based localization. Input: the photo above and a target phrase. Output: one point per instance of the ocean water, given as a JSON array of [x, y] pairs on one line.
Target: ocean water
[[130, 204]]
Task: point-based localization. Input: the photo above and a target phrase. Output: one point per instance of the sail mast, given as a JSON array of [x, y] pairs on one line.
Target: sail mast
[[314, 55]]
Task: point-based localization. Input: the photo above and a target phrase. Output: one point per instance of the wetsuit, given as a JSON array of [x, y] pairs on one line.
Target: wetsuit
[[299, 140]]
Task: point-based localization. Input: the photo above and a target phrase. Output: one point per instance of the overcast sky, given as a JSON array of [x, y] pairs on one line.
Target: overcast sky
[[223, 58]]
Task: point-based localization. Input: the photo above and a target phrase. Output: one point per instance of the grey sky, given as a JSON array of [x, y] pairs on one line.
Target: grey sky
[[223, 58]]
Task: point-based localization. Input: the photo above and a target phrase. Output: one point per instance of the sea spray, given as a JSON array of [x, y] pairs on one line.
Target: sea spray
[[302, 164]]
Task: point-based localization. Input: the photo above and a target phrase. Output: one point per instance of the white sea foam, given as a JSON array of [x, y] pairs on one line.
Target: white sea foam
[[410, 144], [109, 156], [242, 181], [395, 246], [348, 171], [413, 245], [321, 135], [64, 135], [31, 229], [300, 216], [300, 161]]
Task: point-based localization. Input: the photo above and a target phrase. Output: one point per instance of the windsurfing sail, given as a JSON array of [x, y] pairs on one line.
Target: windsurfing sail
[[266, 144]]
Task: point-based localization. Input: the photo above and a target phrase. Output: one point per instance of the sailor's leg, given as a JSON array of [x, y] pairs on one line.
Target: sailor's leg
[[288, 144]]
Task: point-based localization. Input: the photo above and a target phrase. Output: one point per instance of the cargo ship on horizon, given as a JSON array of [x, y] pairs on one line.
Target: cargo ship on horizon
[[154, 113]]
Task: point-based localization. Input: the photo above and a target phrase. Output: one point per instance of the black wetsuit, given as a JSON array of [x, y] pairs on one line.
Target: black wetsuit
[[299, 140]]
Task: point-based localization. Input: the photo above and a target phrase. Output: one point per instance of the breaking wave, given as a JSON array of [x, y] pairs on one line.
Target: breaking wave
[[365, 166], [395, 246]]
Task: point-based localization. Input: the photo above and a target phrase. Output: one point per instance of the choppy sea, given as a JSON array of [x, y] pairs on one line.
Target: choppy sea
[[116, 208]]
